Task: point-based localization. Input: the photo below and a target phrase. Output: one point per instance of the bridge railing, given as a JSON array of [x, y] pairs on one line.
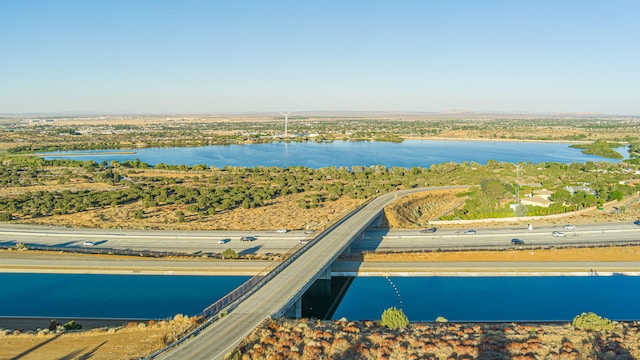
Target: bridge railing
[[231, 300], [257, 281]]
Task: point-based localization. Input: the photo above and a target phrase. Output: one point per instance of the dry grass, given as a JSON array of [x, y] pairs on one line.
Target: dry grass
[[129, 342]]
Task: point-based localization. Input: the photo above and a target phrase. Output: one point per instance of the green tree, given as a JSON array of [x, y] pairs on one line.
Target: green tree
[[561, 196], [229, 254], [616, 195], [138, 214], [180, 215]]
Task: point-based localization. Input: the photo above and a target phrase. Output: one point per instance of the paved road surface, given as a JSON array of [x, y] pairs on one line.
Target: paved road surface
[[384, 239], [374, 239], [191, 242], [201, 242]]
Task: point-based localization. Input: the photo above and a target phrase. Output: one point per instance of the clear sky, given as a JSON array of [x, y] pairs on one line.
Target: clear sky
[[158, 56]]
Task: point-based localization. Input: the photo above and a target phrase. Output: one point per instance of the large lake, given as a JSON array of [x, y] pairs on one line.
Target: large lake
[[408, 153], [544, 298]]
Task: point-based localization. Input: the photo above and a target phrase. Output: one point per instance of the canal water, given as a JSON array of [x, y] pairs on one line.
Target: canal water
[[110, 296], [544, 298]]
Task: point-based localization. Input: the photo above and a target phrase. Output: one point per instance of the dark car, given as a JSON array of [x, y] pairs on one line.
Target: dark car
[[247, 238], [517, 242], [429, 230], [637, 222]]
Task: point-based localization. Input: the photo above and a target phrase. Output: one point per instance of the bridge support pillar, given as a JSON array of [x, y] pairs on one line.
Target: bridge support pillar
[[347, 251], [377, 221], [326, 274], [295, 311]]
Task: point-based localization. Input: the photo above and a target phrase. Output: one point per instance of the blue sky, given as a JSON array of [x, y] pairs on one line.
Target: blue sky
[[158, 56]]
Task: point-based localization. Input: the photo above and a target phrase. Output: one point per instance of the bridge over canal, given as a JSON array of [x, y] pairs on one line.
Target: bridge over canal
[[282, 293]]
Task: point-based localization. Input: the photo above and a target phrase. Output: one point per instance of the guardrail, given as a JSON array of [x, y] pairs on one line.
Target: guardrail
[[253, 284], [99, 251], [231, 300], [621, 243]]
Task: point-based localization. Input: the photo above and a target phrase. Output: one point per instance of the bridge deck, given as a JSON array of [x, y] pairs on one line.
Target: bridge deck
[[274, 297]]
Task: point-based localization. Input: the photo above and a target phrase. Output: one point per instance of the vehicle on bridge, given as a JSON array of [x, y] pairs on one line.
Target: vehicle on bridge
[[558, 234]]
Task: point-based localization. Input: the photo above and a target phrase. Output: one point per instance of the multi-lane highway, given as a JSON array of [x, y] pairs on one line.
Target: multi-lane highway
[[204, 242], [190, 242], [387, 240]]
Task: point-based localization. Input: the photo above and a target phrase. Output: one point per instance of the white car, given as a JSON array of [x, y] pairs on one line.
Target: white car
[[569, 227], [558, 234], [88, 243], [469, 232], [223, 241], [282, 230]]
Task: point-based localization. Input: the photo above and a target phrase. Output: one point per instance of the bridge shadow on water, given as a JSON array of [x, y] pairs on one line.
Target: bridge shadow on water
[[322, 299]]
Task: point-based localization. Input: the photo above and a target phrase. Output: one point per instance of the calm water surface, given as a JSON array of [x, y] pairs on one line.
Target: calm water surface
[[421, 298], [407, 154], [533, 298], [110, 296]]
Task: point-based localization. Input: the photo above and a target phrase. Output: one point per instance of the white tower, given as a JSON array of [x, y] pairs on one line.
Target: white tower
[[286, 120]]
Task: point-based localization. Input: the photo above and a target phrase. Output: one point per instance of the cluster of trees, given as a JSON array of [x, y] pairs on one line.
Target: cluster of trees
[[207, 190], [493, 199], [601, 148]]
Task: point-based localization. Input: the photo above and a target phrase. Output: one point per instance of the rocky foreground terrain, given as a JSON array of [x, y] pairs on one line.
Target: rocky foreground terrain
[[343, 339]]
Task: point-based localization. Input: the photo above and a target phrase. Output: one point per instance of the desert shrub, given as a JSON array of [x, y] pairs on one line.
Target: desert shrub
[[229, 254], [394, 318], [72, 325], [592, 322], [5, 216], [234, 355], [20, 246], [441, 319]]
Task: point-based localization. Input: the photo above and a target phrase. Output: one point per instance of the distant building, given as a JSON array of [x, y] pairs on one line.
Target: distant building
[[536, 200], [545, 194], [575, 188]]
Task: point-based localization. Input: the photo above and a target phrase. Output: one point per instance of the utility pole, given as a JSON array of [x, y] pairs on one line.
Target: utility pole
[[517, 180]]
